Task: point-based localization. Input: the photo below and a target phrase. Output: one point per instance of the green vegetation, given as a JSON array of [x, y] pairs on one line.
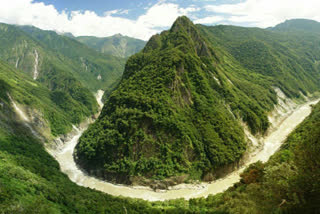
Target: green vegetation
[[59, 107], [69, 69], [172, 111], [31, 181], [94, 70], [179, 106], [287, 183], [298, 26], [117, 45], [289, 59]]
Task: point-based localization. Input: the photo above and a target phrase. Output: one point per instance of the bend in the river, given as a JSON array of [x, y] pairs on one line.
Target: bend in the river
[[271, 144]]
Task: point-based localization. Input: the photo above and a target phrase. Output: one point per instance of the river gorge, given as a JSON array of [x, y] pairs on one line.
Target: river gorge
[[284, 119]]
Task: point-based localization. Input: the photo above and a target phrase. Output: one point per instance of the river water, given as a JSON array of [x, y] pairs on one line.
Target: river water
[[271, 143]]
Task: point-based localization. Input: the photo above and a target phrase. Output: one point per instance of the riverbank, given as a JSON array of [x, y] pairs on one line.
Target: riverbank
[[284, 123]]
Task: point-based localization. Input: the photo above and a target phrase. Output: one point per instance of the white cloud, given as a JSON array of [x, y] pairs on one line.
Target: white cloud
[[266, 13], [163, 14], [27, 12], [209, 20], [113, 12]]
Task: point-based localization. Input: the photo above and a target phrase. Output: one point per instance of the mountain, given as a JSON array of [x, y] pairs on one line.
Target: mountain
[[48, 111], [117, 45], [302, 25], [188, 88], [178, 108], [66, 67], [94, 70], [25, 53], [289, 59]]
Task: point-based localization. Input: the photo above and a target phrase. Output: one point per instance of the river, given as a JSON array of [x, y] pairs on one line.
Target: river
[[271, 143]]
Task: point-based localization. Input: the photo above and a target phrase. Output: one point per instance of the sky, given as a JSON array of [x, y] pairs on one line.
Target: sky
[[143, 18]]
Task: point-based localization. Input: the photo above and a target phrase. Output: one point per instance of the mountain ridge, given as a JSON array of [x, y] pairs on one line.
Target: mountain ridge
[[116, 45]]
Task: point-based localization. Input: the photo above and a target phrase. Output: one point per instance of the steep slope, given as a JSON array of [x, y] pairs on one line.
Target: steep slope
[[50, 69], [117, 45], [287, 183], [288, 59], [94, 70], [177, 111], [49, 112], [30, 179]]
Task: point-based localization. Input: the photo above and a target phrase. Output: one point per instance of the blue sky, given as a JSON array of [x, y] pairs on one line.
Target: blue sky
[[136, 7], [143, 18]]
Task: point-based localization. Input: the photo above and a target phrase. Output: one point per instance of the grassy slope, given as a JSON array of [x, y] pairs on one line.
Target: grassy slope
[[117, 45]]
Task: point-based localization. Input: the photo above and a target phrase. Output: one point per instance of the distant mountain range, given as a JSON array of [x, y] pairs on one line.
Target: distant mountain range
[[117, 45]]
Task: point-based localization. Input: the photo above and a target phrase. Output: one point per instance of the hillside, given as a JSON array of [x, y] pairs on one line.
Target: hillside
[[117, 45], [30, 179], [287, 183], [290, 60], [177, 115], [53, 110], [93, 69], [180, 103], [302, 25], [38, 52]]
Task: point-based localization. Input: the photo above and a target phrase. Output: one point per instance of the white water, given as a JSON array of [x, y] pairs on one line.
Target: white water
[[272, 143], [99, 96], [36, 62], [17, 62]]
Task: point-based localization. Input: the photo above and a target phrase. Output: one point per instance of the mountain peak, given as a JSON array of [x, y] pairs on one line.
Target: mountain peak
[[117, 35], [181, 22], [186, 33], [306, 25]]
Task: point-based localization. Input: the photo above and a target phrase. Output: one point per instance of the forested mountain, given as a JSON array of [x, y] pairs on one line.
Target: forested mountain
[[94, 70], [67, 92], [181, 100], [53, 111], [31, 181], [69, 69], [117, 45]]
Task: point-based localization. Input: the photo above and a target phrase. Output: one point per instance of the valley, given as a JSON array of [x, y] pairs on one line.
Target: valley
[[288, 121], [217, 119]]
